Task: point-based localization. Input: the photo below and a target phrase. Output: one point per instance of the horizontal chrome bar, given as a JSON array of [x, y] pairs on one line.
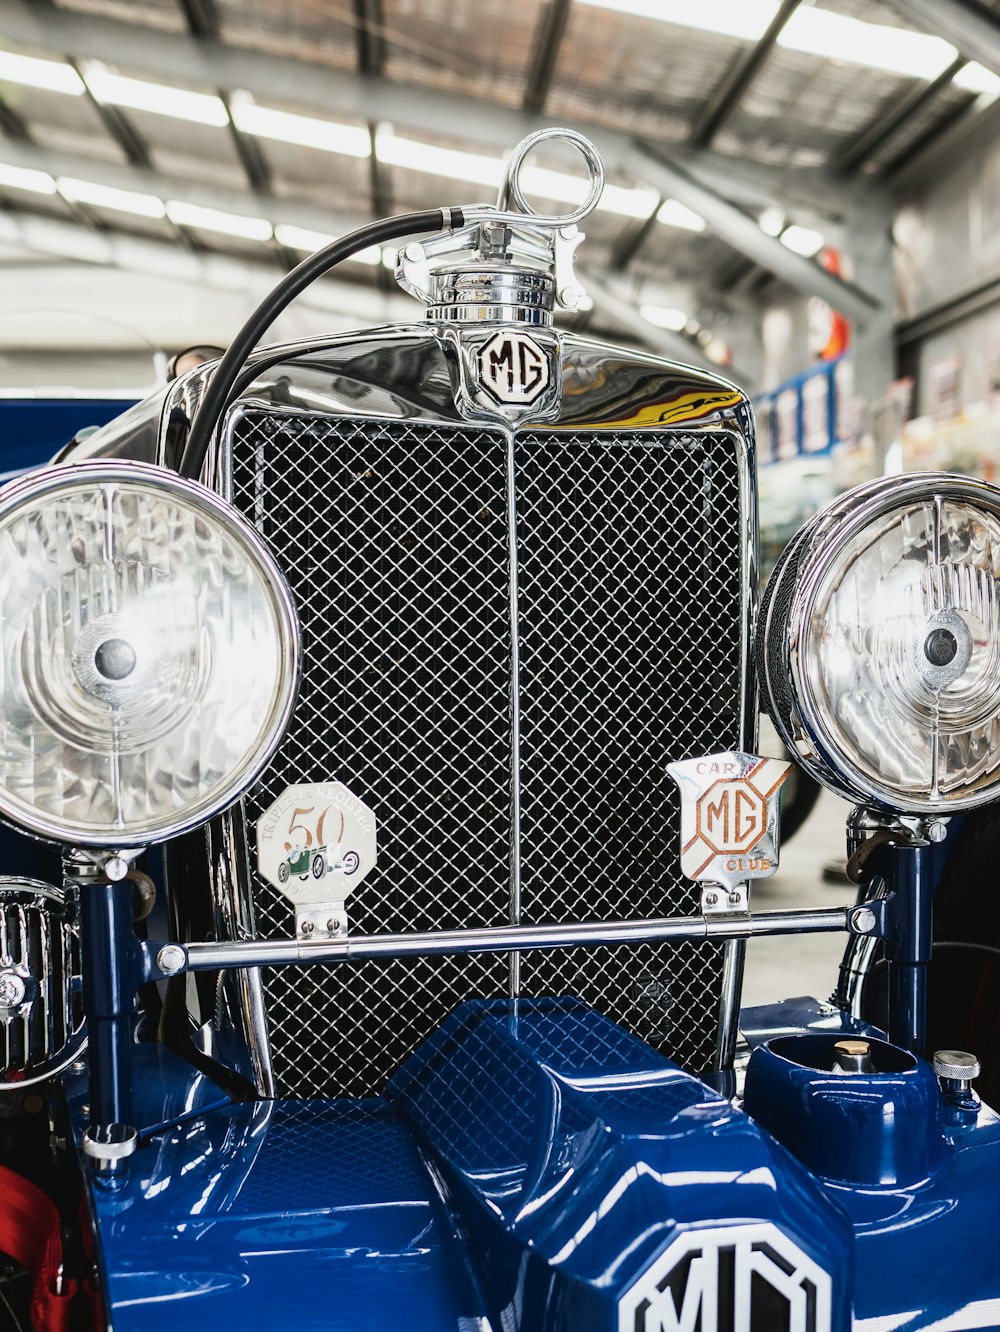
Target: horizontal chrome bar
[[162, 959]]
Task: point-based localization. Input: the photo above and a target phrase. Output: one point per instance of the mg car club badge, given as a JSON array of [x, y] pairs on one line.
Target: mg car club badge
[[315, 844], [729, 817]]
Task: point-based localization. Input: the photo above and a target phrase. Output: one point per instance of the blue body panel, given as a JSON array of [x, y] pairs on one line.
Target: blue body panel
[[282, 1214], [528, 1164]]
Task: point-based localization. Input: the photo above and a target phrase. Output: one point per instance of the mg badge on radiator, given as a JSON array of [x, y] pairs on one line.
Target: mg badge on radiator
[[513, 368]]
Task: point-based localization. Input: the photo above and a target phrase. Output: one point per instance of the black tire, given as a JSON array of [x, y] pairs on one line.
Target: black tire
[[351, 862], [318, 866], [284, 873]]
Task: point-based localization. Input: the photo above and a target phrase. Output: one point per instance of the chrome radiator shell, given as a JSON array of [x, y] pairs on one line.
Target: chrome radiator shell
[[508, 632], [42, 1027]]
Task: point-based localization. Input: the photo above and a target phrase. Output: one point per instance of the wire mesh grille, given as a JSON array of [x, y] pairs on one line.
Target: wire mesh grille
[[395, 538], [629, 618]]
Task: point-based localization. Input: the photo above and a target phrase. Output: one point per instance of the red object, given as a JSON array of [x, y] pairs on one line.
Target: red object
[[30, 1232], [840, 330]]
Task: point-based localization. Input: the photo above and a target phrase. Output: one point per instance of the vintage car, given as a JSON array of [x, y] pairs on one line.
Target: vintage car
[[481, 595]]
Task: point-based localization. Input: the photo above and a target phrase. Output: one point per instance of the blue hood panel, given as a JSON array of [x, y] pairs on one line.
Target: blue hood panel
[[575, 1155], [532, 1165], [275, 1215]]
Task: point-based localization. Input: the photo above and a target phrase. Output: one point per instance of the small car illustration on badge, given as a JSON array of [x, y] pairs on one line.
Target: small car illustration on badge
[[317, 861]]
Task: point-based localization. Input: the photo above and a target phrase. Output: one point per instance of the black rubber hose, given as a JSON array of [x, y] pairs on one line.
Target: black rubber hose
[[218, 394]]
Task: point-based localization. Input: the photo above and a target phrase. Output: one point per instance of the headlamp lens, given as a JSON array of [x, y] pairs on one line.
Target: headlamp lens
[[882, 652], [147, 654]]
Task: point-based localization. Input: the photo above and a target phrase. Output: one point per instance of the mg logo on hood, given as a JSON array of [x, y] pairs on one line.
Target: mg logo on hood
[[731, 1279]]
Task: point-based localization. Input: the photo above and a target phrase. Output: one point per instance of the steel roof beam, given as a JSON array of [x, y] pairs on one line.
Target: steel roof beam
[[887, 125], [977, 124], [12, 124], [548, 39], [633, 239], [248, 150], [145, 181], [116, 123], [114, 249], [975, 32], [201, 17], [736, 81], [338, 94], [743, 234], [369, 27]]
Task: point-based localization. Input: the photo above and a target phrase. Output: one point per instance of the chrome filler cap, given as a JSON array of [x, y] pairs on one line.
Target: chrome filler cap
[[508, 264]]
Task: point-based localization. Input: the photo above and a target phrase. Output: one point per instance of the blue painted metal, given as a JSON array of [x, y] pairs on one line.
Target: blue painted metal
[[575, 1154], [33, 430], [107, 946], [910, 947], [278, 1215], [534, 1159], [167, 1090], [867, 1129]]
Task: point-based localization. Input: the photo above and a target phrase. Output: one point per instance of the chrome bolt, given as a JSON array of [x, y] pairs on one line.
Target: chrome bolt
[[863, 920], [116, 868], [307, 927], [170, 959], [710, 899], [735, 898], [937, 832]]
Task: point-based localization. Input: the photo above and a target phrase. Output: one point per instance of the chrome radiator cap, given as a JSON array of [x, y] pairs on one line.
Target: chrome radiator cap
[[41, 1015]]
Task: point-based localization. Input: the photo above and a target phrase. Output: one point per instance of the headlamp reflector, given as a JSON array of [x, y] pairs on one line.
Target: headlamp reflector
[[148, 654]]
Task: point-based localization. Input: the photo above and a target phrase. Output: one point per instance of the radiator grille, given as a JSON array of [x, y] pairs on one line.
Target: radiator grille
[[395, 538]]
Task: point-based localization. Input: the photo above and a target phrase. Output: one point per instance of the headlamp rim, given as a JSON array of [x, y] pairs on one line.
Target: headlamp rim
[[37, 486], [814, 554]]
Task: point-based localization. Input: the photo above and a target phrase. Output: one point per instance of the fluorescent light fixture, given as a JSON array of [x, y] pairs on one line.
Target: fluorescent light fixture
[[975, 78], [820, 32], [307, 131], [26, 178], [772, 221], [51, 75], [303, 238], [676, 214], [803, 240], [213, 219], [106, 196], [157, 98], [664, 317], [731, 18]]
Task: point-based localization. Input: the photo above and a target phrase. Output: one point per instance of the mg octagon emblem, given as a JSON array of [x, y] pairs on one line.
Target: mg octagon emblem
[[729, 1279], [513, 368], [729, 816]]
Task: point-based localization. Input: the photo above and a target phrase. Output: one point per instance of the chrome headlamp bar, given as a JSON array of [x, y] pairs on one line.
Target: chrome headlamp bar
[[149, 650], [160, 960], [879, 651]]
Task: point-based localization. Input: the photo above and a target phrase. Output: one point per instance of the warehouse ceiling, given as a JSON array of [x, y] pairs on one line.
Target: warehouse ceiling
[[204, 140]]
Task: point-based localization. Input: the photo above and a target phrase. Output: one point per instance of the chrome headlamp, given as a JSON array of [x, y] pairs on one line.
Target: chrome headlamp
[[879, 650], [148, 651]]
